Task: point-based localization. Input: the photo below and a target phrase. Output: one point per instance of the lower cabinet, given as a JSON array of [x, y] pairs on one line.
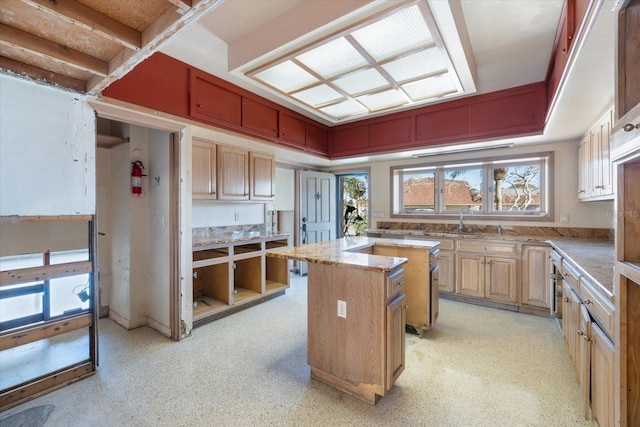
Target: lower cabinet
[[230, 276], [355, 321], [537, 284], [591, 351], [488, 277]]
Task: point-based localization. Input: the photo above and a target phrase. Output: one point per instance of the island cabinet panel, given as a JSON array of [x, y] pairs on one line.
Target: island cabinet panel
[[360, 351], [259, 117], [351, 140], [212, 102], [317, 139], [421, 293], [390, 133], [292, 130]]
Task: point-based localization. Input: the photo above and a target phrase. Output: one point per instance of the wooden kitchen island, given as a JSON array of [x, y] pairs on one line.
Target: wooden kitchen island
[[356, 311]]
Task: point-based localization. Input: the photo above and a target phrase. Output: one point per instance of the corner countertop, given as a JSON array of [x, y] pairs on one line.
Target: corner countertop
[[345, 252], [594, 259], [205, 240]]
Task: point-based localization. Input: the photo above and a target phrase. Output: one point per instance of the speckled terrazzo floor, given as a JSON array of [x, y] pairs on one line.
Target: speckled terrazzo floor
[[478, 367]]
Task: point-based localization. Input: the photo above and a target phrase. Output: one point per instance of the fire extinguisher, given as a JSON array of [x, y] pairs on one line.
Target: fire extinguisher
[[136, 178]]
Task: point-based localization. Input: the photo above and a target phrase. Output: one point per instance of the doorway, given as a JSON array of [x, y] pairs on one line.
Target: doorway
[[138, 253], [353, 203], [317, 209]]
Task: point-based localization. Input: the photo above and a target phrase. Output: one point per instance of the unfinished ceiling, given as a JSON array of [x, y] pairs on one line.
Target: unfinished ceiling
[[84, 45]]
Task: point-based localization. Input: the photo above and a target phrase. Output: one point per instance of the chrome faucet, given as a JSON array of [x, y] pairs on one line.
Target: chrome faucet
[[461, 226]]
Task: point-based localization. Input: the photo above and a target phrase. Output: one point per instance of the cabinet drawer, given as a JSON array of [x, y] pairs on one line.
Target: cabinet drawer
[[488, 248], [598, 306], [395, 283], [571, 275], [446, 244]]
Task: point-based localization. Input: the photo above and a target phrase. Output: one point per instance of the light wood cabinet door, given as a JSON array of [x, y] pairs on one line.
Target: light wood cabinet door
[[203, 170], [602, 377], [537, 287], [233, 173], [395, 339], [262, 168], [570, 321], [584, 162], [446, 269], [500, 279], [470, 275], [583, 357]]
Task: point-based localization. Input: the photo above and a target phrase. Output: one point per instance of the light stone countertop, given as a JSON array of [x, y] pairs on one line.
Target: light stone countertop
[[593, 258], [344, 252], [201, 241]]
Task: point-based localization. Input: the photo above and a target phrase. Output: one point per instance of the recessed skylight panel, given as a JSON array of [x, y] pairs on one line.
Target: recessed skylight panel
[[344, 109], [396, 34], [318, 95], [420, 64], [361, 81], [287, 76], [430, 88], [383, 100], [332, 59]]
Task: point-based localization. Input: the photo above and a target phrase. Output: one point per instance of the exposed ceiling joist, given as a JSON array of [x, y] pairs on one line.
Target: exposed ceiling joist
[[40, 74], [50, 50], [182, 5], [78, 14]]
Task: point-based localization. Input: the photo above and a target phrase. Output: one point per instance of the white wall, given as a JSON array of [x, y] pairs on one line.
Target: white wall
[[564, 191], [47, 150], [209, 213], [285, 189], [158, 283]]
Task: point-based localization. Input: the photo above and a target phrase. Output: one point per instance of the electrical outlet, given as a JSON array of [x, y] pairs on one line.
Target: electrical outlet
[[564, 218], [237, 216], [342, 309]]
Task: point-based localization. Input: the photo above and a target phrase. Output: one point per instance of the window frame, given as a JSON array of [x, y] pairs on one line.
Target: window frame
[[487, 211]]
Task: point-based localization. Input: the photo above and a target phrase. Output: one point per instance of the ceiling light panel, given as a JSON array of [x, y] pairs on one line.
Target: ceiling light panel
[[287, 76], [332, 59], [344, 109], [401, 32], [430, 88], [362, 81], [420, 64], [318, 95], [383, 100]]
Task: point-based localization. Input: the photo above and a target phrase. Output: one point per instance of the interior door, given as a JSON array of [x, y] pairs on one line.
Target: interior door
[[318, 209]]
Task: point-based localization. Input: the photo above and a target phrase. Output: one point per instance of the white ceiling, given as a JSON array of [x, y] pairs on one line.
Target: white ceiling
[[508, 42]]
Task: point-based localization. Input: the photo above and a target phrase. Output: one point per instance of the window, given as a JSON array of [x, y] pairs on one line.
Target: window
[[507, 187]]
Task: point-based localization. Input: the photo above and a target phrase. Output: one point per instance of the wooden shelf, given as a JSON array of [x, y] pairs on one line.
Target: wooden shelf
[[233, 276], [272, 286]]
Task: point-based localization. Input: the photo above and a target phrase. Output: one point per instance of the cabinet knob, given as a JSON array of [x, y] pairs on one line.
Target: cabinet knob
[[629, 127], [586, 338], [406, 307], [580, 333], [565, 299], [400, 283], [588, 301]]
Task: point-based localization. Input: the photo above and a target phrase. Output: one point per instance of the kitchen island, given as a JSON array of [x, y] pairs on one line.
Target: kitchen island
[[356, 311]]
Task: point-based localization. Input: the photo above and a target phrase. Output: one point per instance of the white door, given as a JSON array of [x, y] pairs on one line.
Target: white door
[[317, 210]]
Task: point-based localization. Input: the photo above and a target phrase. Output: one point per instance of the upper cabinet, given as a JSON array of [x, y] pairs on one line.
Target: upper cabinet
[[203, 170], [259, 118], [299, 133], [595, 179], [212, 102], [262, 168], [228, 173], [233, 173]]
